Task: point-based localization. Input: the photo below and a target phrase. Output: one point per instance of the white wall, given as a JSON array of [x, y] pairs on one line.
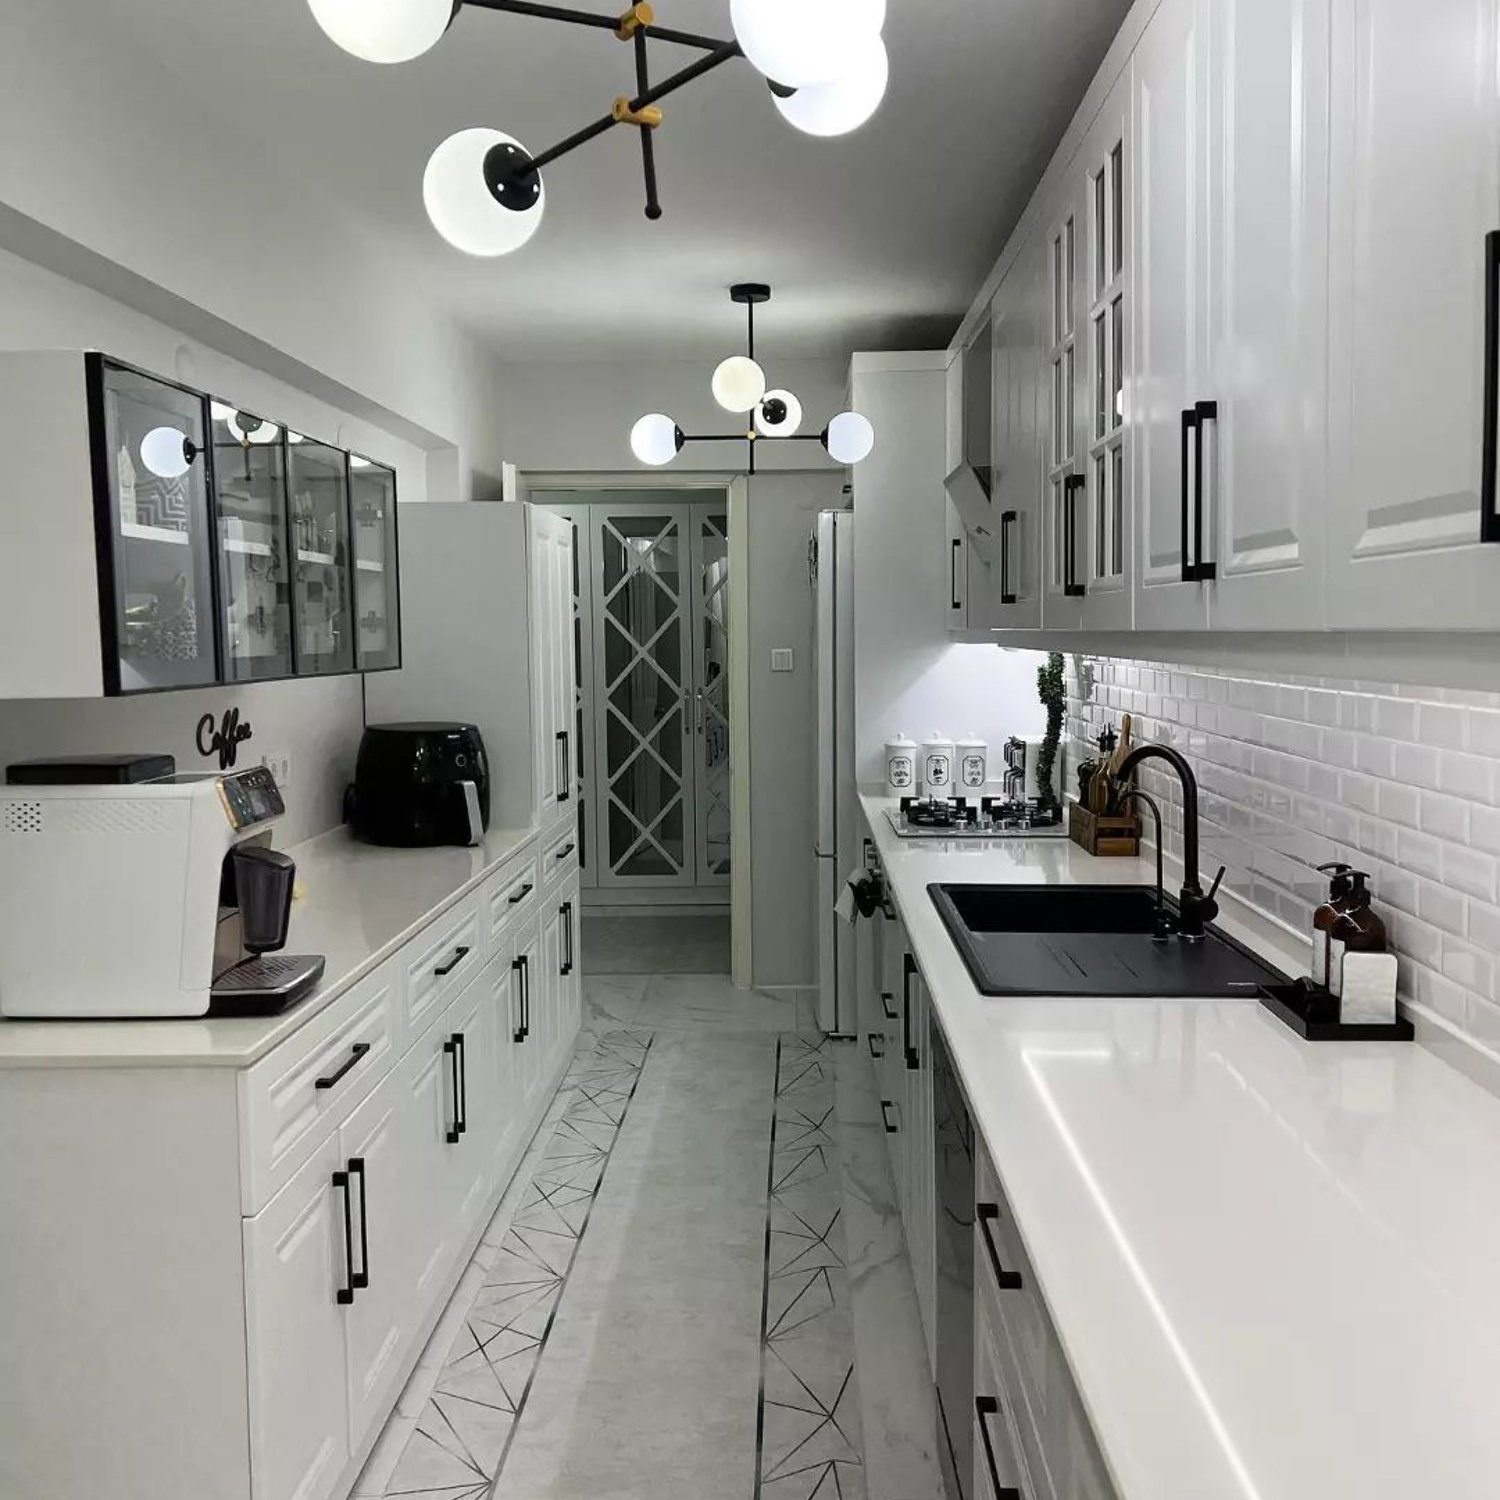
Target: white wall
[[908, 675]]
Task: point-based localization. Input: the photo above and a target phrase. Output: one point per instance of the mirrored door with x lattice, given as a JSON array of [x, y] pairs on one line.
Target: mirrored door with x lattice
[[653, 691]]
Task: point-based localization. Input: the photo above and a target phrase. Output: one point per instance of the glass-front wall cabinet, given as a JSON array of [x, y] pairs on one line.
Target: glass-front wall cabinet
[[255, 577], [322, 596], [377, 604], [153, 517]]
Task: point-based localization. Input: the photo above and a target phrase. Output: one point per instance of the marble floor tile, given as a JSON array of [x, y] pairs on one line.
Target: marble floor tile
[[614, 998], [677, 1001]]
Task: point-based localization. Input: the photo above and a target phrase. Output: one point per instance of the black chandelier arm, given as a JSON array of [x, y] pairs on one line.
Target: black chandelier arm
[[648, 145], [599, 22]]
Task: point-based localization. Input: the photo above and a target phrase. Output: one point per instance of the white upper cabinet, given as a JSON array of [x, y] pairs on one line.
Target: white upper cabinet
[[1104, 270], [1266, 260], [1174, 528], [1416, 190]]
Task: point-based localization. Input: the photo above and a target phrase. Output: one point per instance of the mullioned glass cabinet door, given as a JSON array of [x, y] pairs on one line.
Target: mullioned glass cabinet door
[[318, 520], [155, 531], [377, 604], [255, 574]]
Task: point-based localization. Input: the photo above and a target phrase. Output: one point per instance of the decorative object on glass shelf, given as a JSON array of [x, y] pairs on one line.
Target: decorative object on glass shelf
[[371, 622], [368, 514], [824, 62], [163, 625], [739, 385]]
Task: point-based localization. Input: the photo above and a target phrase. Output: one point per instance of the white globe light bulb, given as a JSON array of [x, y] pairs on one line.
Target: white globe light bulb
[[739, 383], [802, 42], [850, 439], [384, 31], [845, 104], [247, 429], [778, 415], [470, 214], [164, 451], [653, 440]]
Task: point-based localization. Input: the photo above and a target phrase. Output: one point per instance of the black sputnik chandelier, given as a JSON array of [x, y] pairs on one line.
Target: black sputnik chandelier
[[824, 61], [739, 385]]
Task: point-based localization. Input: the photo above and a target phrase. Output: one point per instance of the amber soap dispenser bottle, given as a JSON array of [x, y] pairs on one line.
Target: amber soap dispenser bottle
[[1356, 929], [1334, 904]]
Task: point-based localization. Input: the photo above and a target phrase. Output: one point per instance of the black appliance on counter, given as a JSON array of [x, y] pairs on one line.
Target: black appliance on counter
[[419, 786], [953, 1152]]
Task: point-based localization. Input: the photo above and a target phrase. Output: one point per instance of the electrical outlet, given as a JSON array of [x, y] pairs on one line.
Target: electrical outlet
[[279, 762], [782, 659]]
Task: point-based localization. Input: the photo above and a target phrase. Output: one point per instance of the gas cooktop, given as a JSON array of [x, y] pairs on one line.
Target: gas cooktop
[[990, 818]]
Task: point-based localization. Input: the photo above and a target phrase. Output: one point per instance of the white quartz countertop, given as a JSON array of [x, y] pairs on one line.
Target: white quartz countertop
[[1274, 1265], [355, 904]]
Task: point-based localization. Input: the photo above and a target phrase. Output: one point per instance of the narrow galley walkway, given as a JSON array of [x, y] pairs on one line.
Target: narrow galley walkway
[[696, 1287]]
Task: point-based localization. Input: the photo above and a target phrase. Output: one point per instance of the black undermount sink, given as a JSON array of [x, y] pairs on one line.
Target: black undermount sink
[[1090, 940]]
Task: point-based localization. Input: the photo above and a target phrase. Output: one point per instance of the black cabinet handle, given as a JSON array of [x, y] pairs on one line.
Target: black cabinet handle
[[885, 1113], [987, 1213], [453, 1050], [1008, 519], [357, 1054], [360, 1279], [887, 1004], [1203, 413], [565, 915], [564, 852], [444, 970], [957, 603], [345, 1293], [522, 894], [1189, 428], [985, 1408], [1071, 586], [521, 969], [909, 971], [1489, 502], [564, 780], [874, 1037]]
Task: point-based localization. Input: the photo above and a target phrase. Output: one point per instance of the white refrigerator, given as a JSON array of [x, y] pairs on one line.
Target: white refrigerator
[[837, 848]]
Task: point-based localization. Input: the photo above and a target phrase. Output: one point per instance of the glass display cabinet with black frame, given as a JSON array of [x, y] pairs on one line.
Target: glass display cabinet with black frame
[[255, 575], [318, 518], [377, 604], [154, 530]]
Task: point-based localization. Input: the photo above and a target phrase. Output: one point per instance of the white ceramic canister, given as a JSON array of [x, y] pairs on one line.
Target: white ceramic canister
[[972, 766], [937, 766], [901, 766]]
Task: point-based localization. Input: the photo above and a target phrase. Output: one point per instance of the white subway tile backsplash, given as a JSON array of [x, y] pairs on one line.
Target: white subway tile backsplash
[[1403, 782]]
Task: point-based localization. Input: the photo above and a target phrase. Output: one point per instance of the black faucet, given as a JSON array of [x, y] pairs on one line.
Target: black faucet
[[1165, 926], [1194, 908]]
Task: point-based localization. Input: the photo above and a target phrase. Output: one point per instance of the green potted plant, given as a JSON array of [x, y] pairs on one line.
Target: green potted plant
[[1051, 687]]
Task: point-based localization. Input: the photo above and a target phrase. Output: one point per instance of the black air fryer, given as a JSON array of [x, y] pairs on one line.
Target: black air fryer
[[417, 786]]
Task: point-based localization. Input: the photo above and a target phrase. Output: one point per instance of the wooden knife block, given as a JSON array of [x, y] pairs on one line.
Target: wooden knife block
[[1109, 835]]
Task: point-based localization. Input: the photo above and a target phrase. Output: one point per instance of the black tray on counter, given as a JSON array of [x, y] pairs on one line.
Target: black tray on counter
[[1312, 1014]]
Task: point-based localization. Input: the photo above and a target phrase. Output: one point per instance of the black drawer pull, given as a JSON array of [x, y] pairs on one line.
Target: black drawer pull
[[955, 601], [987, 1213], [444, 970], [357, 1054], [887, 1004], [885, 1113], [908, 1045], [986, 1407], [453, 1050], [565, 851], [522, 894], [1007, 520], [876, 1036], [345, 1293]]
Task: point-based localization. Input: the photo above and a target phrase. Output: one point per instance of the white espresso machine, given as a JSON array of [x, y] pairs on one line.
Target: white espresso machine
[[157, 898]]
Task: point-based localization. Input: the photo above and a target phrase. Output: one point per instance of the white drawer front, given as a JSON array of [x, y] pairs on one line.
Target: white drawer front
[[511, 893], [291, 1099], [443, 960]]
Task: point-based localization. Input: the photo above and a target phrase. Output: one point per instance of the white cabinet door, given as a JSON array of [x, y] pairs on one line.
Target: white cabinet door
[[380, 1323], [549, 577], [549, 995], [295, 1268], [954, 450], [530, 980], [570, 1006], [565, 659], [1415, 190], [470, 1028], [1062, 343], [1169, 90], [499, 1080], [1268, 310], [1104, 268]]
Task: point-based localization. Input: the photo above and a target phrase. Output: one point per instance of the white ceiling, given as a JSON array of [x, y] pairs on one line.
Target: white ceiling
[[877, 240]]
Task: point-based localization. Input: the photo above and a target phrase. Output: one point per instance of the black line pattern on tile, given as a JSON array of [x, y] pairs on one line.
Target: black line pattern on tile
[[808, 1438], [465, 1431]]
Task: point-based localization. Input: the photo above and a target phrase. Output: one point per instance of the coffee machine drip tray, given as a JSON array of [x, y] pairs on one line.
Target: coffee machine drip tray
[[264, 985]]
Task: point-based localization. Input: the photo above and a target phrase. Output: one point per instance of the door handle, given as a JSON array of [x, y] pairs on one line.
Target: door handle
[[987, 1213], [360, 1279], [518, 968], [1072, 589], [564, 767], [986, 1408], [913, 1058], [1007, 519], [357, 1055], [1489, 501], [345, 1294], [565, 958], [453, 1049], [526, 997], [957, 545], [1189, 432], [886, 1110], [874, 1037], [1203, 413], [887, 1000]]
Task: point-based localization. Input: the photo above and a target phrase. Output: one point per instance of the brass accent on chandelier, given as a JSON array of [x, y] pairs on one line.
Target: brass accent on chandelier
[[650, 116], [634, 19]]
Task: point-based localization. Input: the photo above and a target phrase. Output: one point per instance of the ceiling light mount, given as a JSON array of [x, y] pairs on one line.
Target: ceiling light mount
[[832, 48], [740, 386]]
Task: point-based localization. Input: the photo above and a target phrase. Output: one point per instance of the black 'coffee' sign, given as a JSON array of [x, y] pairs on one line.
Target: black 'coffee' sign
[[225, 739]]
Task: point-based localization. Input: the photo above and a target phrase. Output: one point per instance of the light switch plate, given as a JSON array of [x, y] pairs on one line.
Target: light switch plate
[[782, 659]]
